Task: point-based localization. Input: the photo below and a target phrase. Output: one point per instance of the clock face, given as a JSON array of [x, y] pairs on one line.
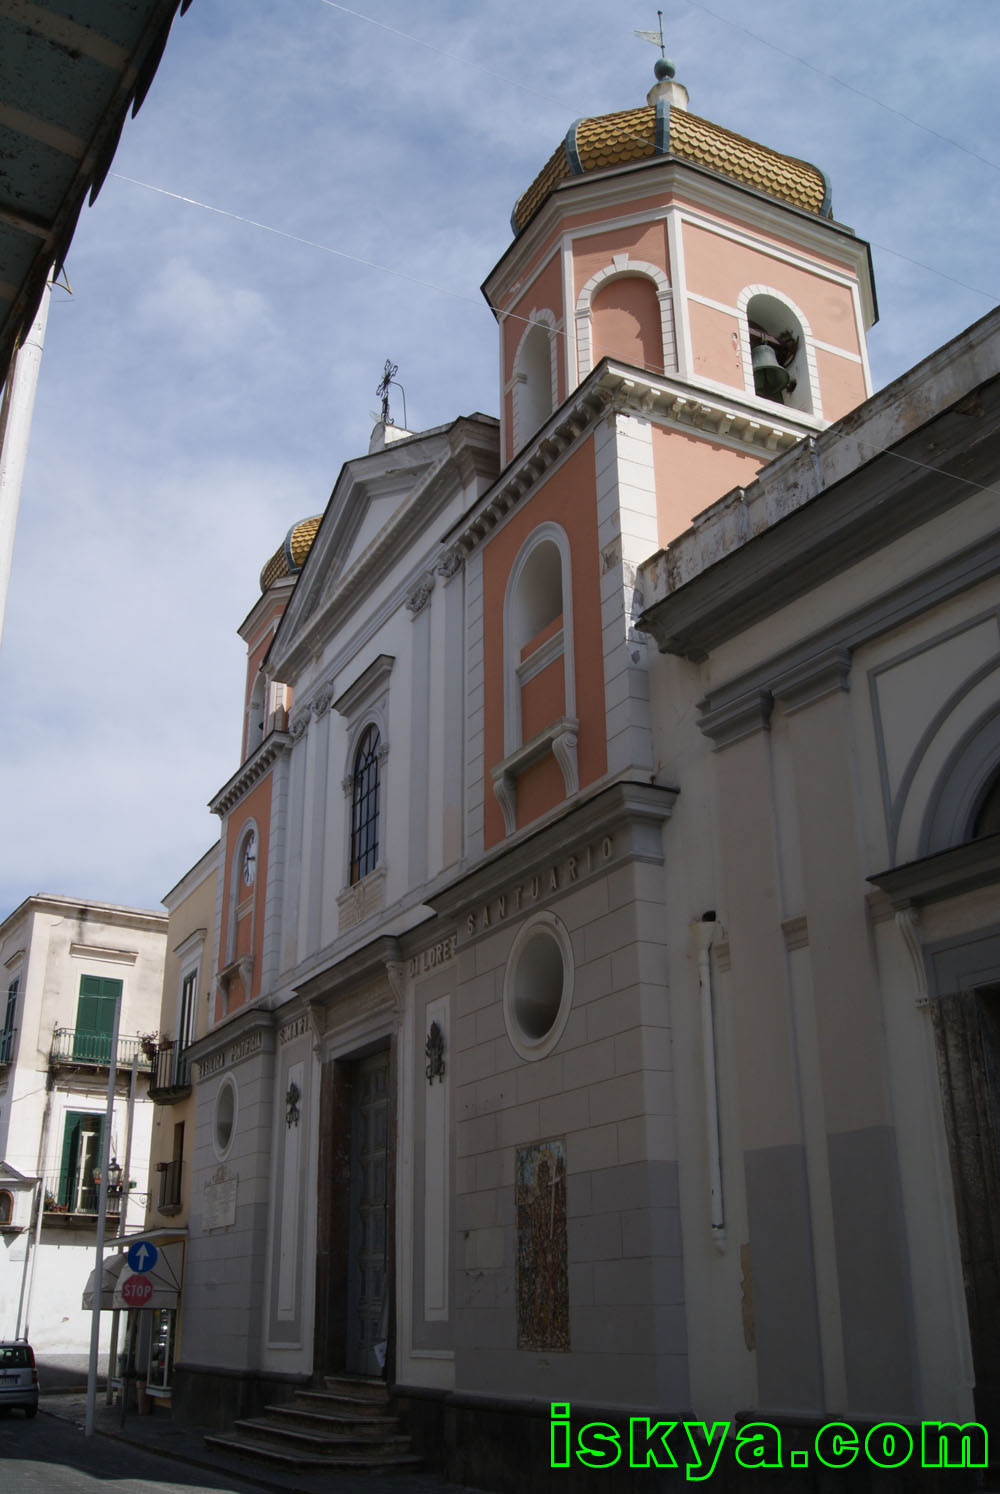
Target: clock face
[[250, 861]]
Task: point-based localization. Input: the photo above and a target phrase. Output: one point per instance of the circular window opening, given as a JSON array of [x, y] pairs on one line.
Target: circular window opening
[[225, 1116], [538, 987]]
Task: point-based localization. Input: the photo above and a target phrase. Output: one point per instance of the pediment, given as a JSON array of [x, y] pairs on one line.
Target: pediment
[[383, 506], [367, 495]]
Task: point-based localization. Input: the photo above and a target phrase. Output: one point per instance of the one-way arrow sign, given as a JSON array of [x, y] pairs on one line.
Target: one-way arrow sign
[[142, 1256]]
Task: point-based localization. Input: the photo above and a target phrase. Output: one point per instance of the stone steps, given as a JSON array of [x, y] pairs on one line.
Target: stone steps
[[346, 1426]]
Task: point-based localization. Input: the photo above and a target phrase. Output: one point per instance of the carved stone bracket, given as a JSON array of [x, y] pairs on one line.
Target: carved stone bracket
[[396, 972], [908, 923], [450, 564], [421, 594], [561, 739]]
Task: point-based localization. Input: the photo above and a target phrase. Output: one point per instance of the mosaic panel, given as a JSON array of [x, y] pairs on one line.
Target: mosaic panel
[[542, 1253]]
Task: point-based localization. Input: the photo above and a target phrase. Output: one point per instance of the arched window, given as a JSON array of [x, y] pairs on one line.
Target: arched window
[[6, 1207], [539, 682], [625, 322], [777, 352], [534, 379], [365, 805], [986, 819], [626, 311]]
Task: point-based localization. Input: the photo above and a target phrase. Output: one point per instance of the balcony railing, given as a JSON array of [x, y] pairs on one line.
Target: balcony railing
[[93, 1049], [171, 1075], [78, 1196]]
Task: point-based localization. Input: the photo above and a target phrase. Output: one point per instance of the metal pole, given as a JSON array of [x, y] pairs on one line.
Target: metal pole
[[102, 1204], [43, 1142], [128, 1143], [37, 1200]]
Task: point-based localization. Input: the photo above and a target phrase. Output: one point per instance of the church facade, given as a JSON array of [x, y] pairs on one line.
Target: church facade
[[575, 1020]]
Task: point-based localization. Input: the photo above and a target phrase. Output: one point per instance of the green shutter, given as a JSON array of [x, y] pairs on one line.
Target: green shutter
[[95, 1018]]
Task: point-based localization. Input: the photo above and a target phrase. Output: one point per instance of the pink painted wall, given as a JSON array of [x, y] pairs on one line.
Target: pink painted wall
[[545, 291], [721, 268], [647, 241], [691, 472], [842, 382], [715, 344]]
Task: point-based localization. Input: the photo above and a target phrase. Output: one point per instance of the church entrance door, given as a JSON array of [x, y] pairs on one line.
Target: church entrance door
[[368, 1285]]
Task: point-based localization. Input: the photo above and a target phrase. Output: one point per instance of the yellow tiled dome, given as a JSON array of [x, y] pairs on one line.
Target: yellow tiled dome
[[290, 556], [610, 140]]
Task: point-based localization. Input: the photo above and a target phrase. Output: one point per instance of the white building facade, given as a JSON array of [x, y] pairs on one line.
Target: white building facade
[[67, 965]]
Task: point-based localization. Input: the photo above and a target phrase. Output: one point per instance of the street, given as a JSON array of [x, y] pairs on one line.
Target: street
[[51, 1456]]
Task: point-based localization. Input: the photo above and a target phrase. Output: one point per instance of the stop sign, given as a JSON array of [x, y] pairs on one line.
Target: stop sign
[[136, 1291]]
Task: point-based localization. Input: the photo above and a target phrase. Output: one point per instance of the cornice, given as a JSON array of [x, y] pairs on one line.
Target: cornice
[[687, 184], [813, 516], [945, 874], [247, 1033], [252, 771], [609, 810], [612, 386]]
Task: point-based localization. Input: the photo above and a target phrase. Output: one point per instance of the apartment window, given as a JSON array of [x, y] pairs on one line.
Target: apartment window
[[169, 1200], [7, 1035], [95, 1018], [83, 1135], [187, 1012]]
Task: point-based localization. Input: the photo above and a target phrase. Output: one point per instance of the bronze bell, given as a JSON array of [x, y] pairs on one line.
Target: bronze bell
[[769, 378]]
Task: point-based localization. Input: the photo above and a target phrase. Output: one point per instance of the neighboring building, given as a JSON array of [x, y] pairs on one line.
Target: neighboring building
[[561, 1051], [66, 965], [185, 1015]]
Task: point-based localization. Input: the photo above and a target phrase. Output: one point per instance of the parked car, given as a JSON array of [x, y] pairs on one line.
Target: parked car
[[18, 1376]]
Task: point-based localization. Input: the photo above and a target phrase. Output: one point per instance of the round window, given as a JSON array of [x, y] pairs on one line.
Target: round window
[[538, 986], [225, 1116]]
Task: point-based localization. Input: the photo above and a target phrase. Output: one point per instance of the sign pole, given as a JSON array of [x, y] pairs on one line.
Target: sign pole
[[102, 1205]]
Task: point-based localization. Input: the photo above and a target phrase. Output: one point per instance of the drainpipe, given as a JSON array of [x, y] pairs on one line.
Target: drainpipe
[[704, 931]]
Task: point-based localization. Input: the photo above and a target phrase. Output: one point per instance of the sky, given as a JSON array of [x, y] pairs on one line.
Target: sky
[[207, 377]]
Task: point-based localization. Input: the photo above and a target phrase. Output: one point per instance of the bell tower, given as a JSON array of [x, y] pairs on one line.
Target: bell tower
[[709, 264]]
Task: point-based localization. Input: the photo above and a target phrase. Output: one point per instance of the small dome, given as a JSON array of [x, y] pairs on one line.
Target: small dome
[[610, 141], [291, 554]]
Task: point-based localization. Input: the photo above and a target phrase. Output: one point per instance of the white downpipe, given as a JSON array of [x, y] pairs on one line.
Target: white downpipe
[[15, 428], [704, 931]]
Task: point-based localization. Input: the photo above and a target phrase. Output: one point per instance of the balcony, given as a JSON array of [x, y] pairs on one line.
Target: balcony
[[74, 1049], [72, 1201], [170, 1080]]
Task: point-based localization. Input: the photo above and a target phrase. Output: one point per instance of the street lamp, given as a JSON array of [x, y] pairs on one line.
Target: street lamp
[[114, 1176]]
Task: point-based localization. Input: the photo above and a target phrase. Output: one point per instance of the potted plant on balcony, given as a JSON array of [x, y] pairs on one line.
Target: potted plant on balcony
[[149, 1042]]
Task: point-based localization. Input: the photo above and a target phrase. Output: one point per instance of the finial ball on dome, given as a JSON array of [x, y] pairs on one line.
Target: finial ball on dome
[[663, 68]]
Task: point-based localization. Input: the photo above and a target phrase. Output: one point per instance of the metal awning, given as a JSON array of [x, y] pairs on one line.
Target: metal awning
[[164, 1277]]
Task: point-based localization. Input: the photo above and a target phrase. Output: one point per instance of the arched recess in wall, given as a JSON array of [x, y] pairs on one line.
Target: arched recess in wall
[[626, 311], [770, 320], [256, 714], [535, 389], [238, 961], [965, 801], [537, 638]]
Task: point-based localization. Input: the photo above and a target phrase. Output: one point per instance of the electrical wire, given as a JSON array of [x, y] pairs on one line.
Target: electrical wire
[[843, 83], [432, 285], [698, 4]]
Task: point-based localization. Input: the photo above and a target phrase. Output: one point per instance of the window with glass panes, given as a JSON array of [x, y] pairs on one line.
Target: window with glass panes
[[365, 805], [7, 1034]]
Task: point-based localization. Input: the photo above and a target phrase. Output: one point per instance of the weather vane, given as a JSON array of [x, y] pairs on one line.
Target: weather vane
[[664, 68]]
